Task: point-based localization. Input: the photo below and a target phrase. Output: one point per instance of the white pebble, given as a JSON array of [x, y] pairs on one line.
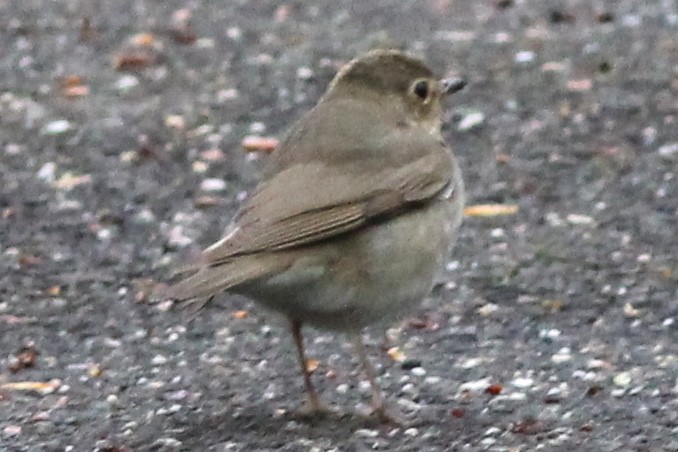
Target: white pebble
[[12, 149], [668, 150], [158, 360], [47, 171], [492, 431], [126, 82], [56, 127], [213, 185], [227, 94], [257, 127], [366, 433], [550, 334], [470, 121], [418, 371], [471, 363], [497, 233], [553, 219], [11, 430], [526, 56], [617, 392], [304, 73], [411, 432], [622, 379], [475, 385], [644, 258], [452, 266], [554, 391], [104, 234], [488, 309], [432, 380], [166, 442], [559, 358], [234, 33], [579, 219], [522, 382], [631, 21]]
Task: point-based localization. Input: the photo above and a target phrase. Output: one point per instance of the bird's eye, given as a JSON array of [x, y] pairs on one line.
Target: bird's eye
[[421, 89]]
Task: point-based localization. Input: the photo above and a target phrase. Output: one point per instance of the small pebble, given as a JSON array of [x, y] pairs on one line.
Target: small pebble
[[487, 442], [622, 379], [579, 220], [200, 167], [158, 360], [475, 385], [57, 127], [257, 127], [526, 56], [432, 380], [126, 83], [488, 309], [629, 311], [579, 86], [561, 357], [418, 371], [637, 389], [213, 185], [181, 394], [554, 392], [492, 431], [166, 442], [366, 433], [174, 408], [618, 392], [175, 122], [12, 149], [47, 172], [471, 363], [497, 233], [522, 382], [227, 94], [668, 150], [549, 334], [364, 386], [104, 234], [412, 432], [304, 73], [234, 33], [11, 430], [471, 121]]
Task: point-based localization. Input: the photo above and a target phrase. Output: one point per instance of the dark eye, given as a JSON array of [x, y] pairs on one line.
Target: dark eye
[[421, 89]]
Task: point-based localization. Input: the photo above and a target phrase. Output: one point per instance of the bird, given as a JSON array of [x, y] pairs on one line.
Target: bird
[[355, 216]]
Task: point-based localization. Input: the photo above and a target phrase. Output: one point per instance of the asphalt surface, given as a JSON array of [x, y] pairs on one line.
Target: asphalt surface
[[121, 132]]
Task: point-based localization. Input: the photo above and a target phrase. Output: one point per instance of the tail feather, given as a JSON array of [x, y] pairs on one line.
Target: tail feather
[[209, 281]]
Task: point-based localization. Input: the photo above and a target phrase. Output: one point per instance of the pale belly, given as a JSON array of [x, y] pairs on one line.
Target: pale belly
[[372, 275]]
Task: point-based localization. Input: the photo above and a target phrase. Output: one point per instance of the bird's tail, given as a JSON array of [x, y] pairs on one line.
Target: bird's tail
[[206, 279]]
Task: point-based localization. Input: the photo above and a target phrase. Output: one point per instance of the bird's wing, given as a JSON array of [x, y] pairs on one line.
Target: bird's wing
[[310, 202]]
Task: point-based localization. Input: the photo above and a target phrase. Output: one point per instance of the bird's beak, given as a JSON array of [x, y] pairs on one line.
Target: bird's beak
[[452, 85]]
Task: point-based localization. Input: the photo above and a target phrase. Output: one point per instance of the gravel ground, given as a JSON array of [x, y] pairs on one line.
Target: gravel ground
[[121, 132]]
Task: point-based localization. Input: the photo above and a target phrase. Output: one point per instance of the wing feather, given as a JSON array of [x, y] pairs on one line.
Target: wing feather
[[309, 218]]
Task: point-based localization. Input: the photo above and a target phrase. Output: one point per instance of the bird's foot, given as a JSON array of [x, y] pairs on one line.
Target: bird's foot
[[314, 408]]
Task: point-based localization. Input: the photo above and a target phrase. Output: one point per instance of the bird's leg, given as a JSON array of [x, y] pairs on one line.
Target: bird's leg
[[314, 403], [379, 408]]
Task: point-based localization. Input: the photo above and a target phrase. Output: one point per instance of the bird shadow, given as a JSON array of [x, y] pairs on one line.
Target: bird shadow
[[258, 427]]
